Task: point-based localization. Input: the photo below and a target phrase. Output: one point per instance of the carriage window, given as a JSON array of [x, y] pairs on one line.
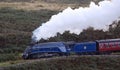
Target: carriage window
[[118, 44], [107, 45], [113, 44], [110, 44], [104, 45], [101, 45]]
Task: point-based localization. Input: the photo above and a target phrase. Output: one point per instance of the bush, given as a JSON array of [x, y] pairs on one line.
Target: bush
[[9, 57]]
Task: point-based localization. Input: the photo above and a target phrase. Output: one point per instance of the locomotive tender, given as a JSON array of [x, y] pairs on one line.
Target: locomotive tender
[[61, 48]]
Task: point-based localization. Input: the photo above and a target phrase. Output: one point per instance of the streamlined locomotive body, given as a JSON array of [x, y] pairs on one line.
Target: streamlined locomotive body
[[45, 50]]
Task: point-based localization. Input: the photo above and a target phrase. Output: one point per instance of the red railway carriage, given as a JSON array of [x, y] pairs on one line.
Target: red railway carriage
[[109, 45]]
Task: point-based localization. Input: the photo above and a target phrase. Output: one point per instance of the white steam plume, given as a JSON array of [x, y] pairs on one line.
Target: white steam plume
[[75, 20]]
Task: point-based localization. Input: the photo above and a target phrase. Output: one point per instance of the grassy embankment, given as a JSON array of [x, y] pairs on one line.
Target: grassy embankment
[[68, 63]]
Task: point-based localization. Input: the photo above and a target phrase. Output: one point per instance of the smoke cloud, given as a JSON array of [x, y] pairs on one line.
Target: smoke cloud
[[75, 20]]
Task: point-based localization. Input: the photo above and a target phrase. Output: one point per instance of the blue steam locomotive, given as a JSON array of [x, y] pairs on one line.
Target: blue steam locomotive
[[50, 49]]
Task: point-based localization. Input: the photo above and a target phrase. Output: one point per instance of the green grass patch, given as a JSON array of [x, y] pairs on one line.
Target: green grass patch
[[10, 57], [8, 63]]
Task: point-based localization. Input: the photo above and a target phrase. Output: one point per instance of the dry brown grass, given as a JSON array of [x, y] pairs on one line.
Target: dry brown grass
[[44, 4], [38, 5]]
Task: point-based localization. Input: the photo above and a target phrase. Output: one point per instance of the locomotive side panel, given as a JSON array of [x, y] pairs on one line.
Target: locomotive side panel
[[86, 47]]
